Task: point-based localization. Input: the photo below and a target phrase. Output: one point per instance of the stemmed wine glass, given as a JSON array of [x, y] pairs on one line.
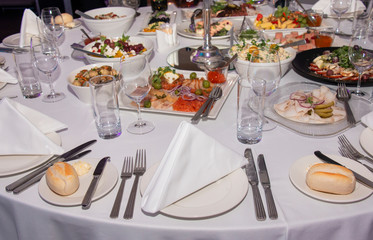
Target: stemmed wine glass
[[135, 83], [45, 58], [52, 29], [340, 7], [360, 55], [132, 4], [271, 73]]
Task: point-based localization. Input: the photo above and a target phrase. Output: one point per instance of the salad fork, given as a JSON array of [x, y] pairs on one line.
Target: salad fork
[[127, 170], [345, 153], [343, 141], [140, 167], [343, 95]]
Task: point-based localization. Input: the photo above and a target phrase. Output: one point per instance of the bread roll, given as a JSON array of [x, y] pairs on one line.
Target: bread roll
[[67, 18], [62, 178], [331, 178]]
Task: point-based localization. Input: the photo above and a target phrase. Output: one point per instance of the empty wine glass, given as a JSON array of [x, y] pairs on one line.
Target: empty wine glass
[[132, 4], [45, 59], [51, 28], [340, 7], [269, 72], [135, 83], [361, 56]]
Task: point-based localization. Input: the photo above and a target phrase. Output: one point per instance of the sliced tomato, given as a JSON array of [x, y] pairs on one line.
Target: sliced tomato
[[313, 65], [315, 69], [335, 76], [321, 72], [355, 78]]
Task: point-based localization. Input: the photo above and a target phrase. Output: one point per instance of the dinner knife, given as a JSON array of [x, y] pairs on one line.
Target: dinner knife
[[87, 200], [198, 114], [87, 52], [253, 180], [358, 177], [38, 177], [49, 163], [264, 179], [11, 50]]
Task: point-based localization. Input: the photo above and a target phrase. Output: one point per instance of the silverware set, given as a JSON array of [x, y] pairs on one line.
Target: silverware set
[[254, 182], [128, 170], [215, 94], [346, 149], [344, 96]]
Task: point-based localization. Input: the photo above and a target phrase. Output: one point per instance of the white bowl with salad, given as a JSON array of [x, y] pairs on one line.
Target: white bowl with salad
[[110, 21], [115, 48]]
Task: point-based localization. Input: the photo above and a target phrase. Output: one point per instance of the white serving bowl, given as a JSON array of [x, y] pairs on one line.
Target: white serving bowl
[[110, 27], [148, 44], [242, 65], [84, 93]]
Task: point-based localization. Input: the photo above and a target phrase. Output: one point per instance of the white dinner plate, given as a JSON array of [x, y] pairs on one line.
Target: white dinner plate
[[147, 19], [366, 140], [77, 24], [105, 185], [126, 103], [14, 164], [13, 40], [299, 169], [182, 30], [212, 200]]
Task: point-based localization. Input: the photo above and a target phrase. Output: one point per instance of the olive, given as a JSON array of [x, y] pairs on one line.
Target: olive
[[193, 75], [198, 92], [147, 103], [107, 41], [205, 84], [335, 59], [157, 85], [329, 72], [356, 47]]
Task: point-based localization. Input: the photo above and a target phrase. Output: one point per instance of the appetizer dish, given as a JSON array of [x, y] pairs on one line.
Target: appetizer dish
[[337, 66], [172, 90], [315, 107], [117, 47], [283, 18], [109, 15], [82, 78], [224, 9], [248, 35], [156, 19], [219, 28], [282, 38], [264, 51]]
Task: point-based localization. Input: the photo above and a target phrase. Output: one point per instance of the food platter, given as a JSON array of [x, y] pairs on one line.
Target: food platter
[[147, 18], [302, 62], [299, 169], [182, 30], [126, 104], [359, 106]]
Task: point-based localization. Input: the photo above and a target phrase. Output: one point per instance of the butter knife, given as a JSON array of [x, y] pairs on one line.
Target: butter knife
[[253, 180], [264, 179], [49, 163], [87, 200]]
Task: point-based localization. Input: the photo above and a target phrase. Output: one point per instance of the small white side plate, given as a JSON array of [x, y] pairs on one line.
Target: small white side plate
[[366, 140]]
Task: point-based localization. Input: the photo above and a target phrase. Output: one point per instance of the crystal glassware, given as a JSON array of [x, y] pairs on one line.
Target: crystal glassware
[[45, 58], [340, 7]]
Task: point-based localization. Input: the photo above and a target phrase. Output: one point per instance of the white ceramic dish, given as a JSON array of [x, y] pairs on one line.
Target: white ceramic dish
[[77, 24], [110, 27], [298, 172], [147, 19], [14, 164], [105, 185], [13, 40], [212, 200], [147, 43], [366, 140], [126, 104], [182, 29], [242, 65]]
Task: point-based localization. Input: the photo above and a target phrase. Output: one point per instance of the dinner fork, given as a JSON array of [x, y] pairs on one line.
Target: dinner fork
[[345, 153], [343, 141], [343, 95], [140, 167], [127, 170]]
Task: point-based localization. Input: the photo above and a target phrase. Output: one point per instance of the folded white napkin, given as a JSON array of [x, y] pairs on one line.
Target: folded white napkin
[[166, 37], [368, 120], [29, 27], [23, 130], [192, 161], [7, 78], [324, 5]]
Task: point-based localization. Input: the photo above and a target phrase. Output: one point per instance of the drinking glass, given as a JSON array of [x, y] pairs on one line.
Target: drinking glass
[[51, 29], [132, 4], [45, 59], [271, 73], [361, 55], [135, 83], [340, 7]]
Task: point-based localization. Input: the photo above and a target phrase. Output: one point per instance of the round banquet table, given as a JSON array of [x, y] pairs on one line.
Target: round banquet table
[[27, 216]]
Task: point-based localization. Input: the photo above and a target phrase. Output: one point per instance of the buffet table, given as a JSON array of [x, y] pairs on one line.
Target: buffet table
[[27, 216]]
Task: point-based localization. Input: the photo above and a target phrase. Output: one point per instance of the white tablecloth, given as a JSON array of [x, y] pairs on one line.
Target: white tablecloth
[[26, 216]]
